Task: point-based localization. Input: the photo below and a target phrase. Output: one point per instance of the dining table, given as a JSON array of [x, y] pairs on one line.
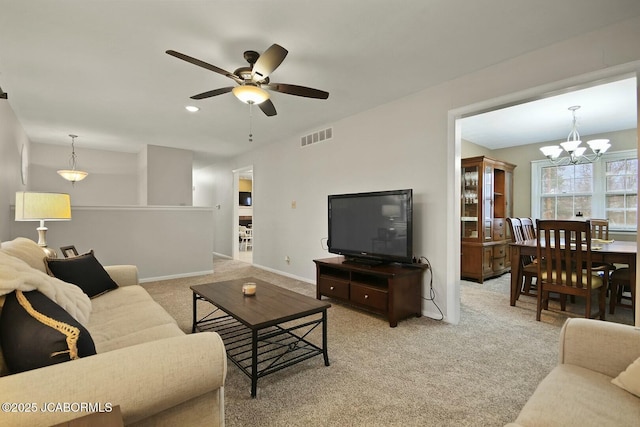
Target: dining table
[[605, 251]]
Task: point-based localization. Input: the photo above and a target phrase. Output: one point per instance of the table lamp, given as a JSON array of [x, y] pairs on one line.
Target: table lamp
[[32, 206]]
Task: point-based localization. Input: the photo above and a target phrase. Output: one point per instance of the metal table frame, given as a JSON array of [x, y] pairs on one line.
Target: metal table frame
[[261, 351]]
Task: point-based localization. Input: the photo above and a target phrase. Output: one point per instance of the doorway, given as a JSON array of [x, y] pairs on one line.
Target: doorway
[[243, 214], [459, 149]]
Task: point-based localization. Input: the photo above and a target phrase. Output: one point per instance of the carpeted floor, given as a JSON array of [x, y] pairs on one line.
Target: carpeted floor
[[422, 373]]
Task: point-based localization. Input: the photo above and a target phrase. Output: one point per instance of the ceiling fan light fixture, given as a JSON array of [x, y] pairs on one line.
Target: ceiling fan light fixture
[[250, 94]]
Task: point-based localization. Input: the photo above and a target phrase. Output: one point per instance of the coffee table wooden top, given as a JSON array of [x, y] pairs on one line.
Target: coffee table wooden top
[[269, 306]]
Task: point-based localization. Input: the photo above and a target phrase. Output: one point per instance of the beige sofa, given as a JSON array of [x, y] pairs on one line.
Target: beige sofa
[[579, 391], [144, 362]]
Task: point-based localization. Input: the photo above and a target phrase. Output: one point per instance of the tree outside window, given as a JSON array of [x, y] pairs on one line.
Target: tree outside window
[[622, 193], [607, 188]]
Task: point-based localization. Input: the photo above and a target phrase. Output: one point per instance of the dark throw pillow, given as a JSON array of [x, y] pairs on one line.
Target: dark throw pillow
[[84, 271], [37, 332]]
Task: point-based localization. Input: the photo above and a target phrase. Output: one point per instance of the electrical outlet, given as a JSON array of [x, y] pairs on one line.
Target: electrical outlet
[[287, 259]]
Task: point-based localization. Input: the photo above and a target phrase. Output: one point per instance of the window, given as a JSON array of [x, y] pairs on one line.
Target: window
[[607, 188]]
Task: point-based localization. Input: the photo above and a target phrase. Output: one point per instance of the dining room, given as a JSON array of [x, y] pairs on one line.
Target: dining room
[[568, 184]]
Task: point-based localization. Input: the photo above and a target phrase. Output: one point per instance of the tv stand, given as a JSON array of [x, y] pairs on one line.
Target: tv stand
[[387, 289]]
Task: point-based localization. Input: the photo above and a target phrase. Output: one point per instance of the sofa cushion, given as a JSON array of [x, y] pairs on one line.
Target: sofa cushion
[[128, 316], [572, 395], [84, 271], [26, 250], [629, 379], [37, 332]]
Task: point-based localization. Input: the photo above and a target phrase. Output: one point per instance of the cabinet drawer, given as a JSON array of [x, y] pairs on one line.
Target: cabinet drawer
[[334, 287], [370, 297], [499, 263], [499, 251]]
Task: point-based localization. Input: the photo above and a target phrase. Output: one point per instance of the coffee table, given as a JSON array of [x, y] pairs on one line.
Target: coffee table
[[265, 332]]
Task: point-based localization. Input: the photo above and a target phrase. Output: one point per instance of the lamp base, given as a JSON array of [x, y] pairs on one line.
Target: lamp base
[[50, 253], [42, 241]]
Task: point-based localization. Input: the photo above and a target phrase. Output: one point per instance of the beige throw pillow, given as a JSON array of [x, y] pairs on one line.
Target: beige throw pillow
[[629, 379]]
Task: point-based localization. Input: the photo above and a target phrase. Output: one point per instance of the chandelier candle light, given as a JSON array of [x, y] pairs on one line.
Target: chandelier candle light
[[73, 174], [572, 147]]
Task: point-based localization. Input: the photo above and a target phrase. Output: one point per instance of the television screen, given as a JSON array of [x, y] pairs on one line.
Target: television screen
[[374, 226], [245, 198]]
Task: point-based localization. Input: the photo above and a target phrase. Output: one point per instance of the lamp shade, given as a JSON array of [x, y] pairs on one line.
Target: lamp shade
[[32, 206], [250, 94]]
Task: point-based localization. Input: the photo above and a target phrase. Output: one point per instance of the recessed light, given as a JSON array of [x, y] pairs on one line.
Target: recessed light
[[192, 108]]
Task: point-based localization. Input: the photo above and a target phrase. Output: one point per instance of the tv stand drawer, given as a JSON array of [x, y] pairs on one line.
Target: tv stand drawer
[[367, 296], [333, 287]]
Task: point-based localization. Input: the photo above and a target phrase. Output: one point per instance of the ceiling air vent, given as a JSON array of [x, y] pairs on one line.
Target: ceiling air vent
[[319, 136]]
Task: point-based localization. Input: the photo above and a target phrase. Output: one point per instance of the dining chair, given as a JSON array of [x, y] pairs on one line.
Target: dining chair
[[528, 229], [248, 239], [522, 229], [619, 283], [599, 229], [565, 265]]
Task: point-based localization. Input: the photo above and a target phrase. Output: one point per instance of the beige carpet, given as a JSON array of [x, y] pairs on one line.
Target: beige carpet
[[422, 373]]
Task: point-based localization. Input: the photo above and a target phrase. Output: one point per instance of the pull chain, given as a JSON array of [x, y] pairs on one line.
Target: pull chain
[[250, 122]]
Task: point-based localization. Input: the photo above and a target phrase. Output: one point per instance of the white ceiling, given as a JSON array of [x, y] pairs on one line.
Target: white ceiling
[[603, 108], [98, 68]]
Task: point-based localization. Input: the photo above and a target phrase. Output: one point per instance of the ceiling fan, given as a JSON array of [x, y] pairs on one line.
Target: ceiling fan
[[254, 79]]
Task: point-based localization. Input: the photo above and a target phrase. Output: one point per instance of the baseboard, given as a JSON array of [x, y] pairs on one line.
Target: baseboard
[[175, 276], [283, 273], [219, 255]]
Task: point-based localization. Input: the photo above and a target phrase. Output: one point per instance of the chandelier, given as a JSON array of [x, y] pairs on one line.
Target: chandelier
[[73, 174], [573, 148]]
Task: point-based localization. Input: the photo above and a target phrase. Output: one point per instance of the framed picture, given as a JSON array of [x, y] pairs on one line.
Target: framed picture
[[69, 251]]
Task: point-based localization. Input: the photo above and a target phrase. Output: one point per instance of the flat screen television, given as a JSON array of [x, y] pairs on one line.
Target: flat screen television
[[245, 198], [374, 227]]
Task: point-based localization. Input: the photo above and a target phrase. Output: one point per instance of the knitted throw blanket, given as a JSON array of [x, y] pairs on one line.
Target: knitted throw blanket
[[17, 274]]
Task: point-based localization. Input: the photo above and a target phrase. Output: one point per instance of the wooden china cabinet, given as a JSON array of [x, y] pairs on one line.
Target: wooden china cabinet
[[486, 201]]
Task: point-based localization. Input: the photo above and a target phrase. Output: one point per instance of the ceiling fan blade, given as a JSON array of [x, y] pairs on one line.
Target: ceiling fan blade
[[307, 92], [203, 64], [269, 61], [268, 108], [211, 93]]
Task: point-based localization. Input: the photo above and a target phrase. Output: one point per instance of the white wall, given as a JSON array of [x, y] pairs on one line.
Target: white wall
[[162, 242], [12, 139], [112, 180], [203, 187], [169, 176], [407, 143]]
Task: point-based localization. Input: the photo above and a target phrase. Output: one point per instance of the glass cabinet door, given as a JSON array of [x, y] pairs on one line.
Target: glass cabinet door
[[469, 199]]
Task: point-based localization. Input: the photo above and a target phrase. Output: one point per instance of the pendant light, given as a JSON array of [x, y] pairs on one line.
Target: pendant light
[[73, 174]]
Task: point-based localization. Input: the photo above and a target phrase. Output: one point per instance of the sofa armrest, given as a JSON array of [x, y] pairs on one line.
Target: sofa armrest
[[144, 380], [600, 346], [123, 275]]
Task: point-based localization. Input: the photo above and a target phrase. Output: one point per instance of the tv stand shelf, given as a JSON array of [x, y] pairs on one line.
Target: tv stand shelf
[[392, 290]]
